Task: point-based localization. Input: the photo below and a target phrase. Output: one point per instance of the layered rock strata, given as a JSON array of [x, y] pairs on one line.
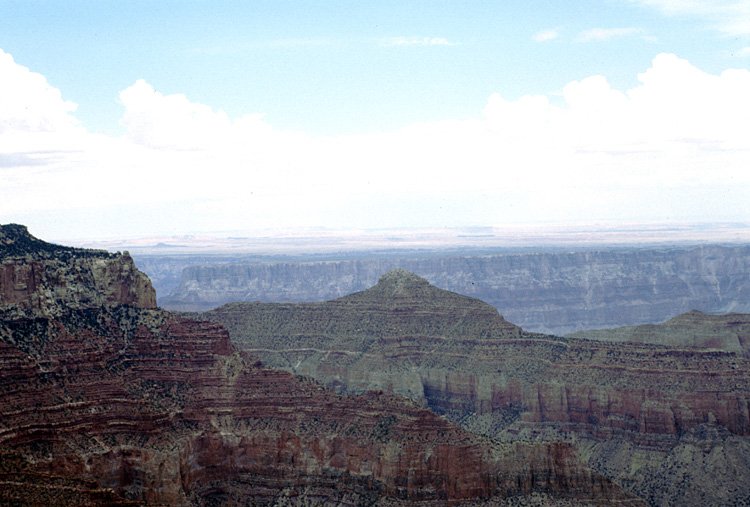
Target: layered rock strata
[[113, 404], [458, 356], [550, 292]]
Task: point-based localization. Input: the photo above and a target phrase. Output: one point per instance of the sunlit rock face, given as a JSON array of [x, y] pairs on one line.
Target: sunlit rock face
[[42, 278], [459, 357], [109, 401]]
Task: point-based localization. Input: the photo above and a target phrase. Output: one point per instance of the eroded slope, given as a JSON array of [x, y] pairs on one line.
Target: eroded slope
[[730, 332]]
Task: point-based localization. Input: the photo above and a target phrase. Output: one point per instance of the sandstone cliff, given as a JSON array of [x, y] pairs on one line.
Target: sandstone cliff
[[458, 356], [108, 403], [729, 332], [550, 292], [42, 278]]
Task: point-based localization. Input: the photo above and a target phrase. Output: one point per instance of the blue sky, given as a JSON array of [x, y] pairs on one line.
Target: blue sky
[[177, 117]]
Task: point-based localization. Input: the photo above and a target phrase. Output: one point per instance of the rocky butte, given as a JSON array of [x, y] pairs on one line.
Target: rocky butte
[[108, 400], [669, 422]]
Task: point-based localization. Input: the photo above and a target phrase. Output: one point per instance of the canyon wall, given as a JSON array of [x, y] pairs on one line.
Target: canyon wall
[[42, 278], [451, 352], [459, 357], [108, 401], [550, 292]]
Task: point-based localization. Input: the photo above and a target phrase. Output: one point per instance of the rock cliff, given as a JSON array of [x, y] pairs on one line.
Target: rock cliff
[[458, 356], [550, 292], [106, 402], [42, 278]]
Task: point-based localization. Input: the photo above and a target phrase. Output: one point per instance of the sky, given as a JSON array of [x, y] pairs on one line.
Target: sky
[[140, 118]]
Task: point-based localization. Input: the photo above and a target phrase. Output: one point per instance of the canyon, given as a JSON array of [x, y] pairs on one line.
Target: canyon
[[668, 422], [553, 292], [110, 400]]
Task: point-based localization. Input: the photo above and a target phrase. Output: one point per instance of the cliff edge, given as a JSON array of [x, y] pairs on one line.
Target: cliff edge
[[40, 278]]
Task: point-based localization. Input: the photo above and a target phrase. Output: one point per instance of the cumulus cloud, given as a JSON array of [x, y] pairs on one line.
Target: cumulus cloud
[[169, 122], [677, 108], [524, 159], [38, 135], [603, 34], [28, 103], [172, 121]]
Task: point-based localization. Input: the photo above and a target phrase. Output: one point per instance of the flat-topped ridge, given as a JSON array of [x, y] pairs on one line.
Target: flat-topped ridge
[[729, 332], [16, 241]]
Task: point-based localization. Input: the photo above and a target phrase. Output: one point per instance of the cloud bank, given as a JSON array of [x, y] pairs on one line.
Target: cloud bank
[[673, 147]]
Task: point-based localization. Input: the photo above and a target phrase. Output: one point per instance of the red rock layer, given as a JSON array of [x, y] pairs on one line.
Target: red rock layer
[[161, 410], [602, 386], [107, 401]]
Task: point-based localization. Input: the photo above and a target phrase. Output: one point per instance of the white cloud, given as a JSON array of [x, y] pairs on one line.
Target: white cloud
[[28, 103], [172, 121], [546, 35], [603, 34], [39, 135], [680, 129], [417, 41], [731, 17], [169, 122]]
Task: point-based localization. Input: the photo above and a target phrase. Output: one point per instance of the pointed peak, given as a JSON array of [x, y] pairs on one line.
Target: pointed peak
[[413, 298], [399, 284], [402, 278], [396, 284]]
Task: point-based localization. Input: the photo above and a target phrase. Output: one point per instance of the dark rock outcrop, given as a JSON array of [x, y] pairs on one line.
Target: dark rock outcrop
[[108, 403]]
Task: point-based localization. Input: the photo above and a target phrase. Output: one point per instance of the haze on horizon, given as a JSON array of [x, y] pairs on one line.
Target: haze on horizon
[[134, 119]]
